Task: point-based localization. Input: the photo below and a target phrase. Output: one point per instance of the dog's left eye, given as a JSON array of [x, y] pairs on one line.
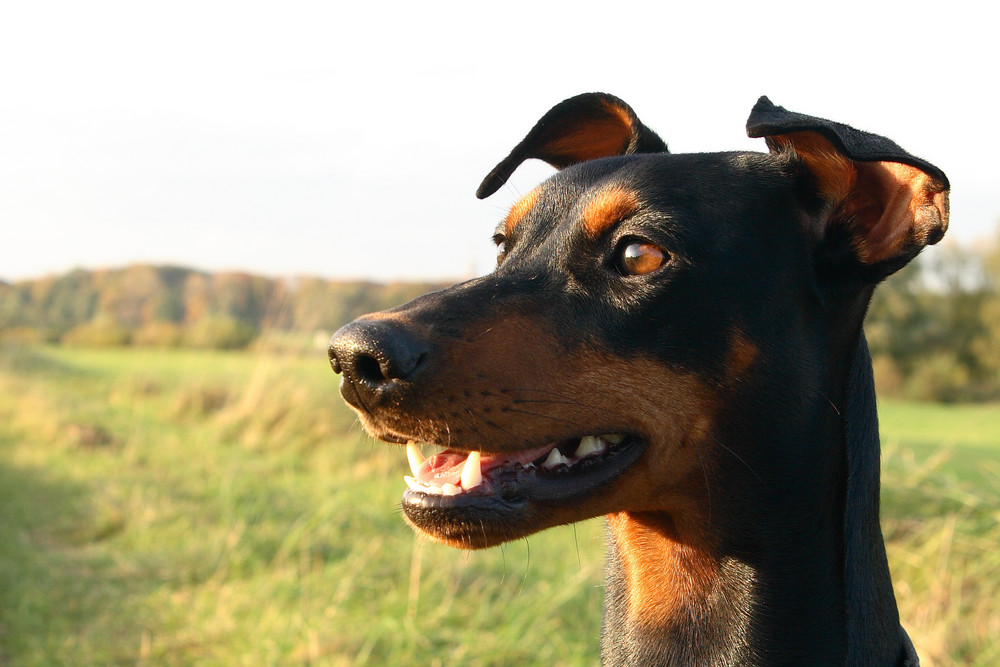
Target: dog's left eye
[[501, 242], [638, 259]]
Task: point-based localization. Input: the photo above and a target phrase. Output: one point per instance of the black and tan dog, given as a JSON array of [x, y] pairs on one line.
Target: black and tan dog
[[673, 341]]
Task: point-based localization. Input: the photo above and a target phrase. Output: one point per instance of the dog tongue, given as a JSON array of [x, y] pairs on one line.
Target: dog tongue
[[441, 469]]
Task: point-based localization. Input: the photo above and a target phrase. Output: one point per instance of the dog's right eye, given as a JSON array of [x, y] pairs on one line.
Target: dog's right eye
[[638, 259]]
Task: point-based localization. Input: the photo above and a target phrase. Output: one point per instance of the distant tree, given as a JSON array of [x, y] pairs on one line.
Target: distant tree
[[158, 334], [933, 327], [197, 296], [128, 296], [219, 333], [97, 333]]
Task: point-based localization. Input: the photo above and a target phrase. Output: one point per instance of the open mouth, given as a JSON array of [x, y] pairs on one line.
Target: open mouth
[[453, 493]]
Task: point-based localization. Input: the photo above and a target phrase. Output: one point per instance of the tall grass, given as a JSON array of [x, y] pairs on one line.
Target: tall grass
[[185, 507]]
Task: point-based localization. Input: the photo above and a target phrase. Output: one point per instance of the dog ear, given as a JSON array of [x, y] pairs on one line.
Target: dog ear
[[888, 203], [585, 127]]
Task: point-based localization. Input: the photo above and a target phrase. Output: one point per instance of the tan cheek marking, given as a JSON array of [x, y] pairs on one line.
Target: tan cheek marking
[[511, 375], [607, 208], [520, 209], [541, 391]]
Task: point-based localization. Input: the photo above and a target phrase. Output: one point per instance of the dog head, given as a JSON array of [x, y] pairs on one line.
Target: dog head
[[642, 305]]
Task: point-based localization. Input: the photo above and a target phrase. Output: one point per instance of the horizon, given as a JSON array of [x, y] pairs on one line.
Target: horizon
[[227, 271]]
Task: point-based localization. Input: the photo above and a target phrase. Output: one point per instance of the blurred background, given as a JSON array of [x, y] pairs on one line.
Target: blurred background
[[194, 195]]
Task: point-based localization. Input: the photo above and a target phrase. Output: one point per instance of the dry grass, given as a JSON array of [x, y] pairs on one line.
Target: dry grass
[[943, 538], [177, 507]]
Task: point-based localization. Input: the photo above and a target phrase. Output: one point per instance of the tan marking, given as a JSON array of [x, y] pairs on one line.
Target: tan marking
[[623, 117], [895, 205], [593, 138], [835, 174], [666, 577], [512, 375], [521, 209], [608, 207], [742, 353]]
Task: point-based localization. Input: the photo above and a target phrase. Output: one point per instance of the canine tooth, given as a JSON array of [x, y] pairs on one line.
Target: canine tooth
[[450, 490], [614, 438], [472, 472], [555, 458], [589, 445], [415, 458]]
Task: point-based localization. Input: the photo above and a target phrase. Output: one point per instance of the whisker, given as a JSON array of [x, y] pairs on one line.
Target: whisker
[[704, 470], [487, 424], [527, 566], [538, 414], [518, 401], [740, 459]]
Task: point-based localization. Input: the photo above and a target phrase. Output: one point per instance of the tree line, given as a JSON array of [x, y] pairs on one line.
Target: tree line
[[933, 328], [174, 306]]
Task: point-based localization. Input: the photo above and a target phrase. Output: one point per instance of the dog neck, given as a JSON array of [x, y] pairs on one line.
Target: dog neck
[[791, 569]]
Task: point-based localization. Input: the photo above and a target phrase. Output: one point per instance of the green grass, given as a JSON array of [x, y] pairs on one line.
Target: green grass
[[968, 435], [180, 507]]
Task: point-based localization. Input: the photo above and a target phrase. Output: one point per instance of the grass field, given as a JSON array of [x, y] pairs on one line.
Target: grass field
[[180, 507]]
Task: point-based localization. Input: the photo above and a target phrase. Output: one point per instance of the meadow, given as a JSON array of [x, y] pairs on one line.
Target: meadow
[[181, 507]]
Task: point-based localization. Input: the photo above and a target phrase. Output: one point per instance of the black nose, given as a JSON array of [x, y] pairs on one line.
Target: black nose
[[375, 357]]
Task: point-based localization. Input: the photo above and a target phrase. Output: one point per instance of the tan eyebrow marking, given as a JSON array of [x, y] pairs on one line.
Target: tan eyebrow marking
[[520, 209], [607, 208]]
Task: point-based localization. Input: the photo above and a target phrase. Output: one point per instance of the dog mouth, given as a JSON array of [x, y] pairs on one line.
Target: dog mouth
[[476, 499]]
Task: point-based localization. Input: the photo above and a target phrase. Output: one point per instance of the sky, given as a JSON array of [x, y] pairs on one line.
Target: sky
[[346, 139]]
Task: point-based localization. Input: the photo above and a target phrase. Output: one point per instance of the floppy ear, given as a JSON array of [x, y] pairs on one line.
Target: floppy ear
[[888, 203], [585, 127]]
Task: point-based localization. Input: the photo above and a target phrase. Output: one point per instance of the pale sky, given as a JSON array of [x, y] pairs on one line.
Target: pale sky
[[347, 139]]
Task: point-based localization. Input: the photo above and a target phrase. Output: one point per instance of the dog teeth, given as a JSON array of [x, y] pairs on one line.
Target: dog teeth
[[415, 484], [414, 456], [433, 489], [472, 473], [589, 446], [555, 458], [472, 470]]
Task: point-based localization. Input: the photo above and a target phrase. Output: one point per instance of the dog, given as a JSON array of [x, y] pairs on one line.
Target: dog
[[673, 341]]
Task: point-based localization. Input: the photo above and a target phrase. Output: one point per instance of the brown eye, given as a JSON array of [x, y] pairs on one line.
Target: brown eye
[[501, 242], [638, 259]]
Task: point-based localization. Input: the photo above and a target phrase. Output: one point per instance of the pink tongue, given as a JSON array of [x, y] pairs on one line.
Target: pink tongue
[[443, 468], [446, 467]]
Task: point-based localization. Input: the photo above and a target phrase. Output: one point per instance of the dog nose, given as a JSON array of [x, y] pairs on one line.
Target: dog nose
[[375, 357]]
